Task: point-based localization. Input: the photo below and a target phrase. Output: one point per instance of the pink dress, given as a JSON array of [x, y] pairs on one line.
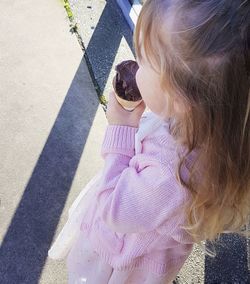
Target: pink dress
[[84, 265]]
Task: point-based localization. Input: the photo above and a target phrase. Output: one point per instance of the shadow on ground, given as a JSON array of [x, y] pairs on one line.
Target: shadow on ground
[[24, 248], [230, 263], [25, 245], [105, 42]]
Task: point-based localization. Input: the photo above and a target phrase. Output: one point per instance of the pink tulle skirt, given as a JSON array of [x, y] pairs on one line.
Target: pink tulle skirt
[[85, 266]]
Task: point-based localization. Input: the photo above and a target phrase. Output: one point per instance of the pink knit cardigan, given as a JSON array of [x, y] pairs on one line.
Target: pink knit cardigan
[[134, 220]]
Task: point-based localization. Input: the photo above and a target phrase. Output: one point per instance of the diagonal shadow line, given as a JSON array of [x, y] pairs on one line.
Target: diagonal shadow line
[[105, 42], [25, 246], [24, 249]]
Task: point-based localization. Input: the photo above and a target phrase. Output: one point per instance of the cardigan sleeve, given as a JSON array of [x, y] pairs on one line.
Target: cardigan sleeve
[[130, 199]]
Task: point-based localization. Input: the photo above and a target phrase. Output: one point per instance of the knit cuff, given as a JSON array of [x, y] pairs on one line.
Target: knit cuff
[[119, 139]]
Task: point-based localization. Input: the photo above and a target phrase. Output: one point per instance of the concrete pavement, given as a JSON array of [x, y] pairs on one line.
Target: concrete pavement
[[51, 128]]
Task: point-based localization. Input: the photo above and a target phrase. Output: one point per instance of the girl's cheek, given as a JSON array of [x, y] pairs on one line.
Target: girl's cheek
[[136, 76], [137, 79], [141, 84]]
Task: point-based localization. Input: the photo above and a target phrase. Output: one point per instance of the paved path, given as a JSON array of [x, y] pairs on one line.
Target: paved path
[[51, 126]]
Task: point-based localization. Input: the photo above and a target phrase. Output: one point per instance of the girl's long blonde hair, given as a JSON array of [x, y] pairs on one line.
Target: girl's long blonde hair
[[201, 51]]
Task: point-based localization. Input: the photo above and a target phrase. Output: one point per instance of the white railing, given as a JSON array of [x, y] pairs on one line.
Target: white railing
[[130, 12]]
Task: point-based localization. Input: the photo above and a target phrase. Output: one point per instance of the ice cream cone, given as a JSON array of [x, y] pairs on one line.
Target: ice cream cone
[[127, 105]]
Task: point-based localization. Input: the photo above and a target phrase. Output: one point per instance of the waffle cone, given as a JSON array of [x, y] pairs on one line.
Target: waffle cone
[[128, 105]]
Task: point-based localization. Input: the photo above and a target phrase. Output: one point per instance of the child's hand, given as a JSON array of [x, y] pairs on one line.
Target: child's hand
[[117, 115]]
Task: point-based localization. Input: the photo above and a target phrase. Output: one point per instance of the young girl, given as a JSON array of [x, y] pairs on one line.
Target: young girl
[[178, 174]]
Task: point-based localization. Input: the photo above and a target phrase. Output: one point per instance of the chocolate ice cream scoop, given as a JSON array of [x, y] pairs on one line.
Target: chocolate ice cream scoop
[[124, 82]]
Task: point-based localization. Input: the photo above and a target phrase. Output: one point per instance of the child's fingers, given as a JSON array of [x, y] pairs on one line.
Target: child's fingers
[[117, 115], [112, 100], [112, 96], [140, 108]]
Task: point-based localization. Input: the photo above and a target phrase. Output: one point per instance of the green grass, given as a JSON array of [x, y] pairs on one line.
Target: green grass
[[65, 3], [68, 9]]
